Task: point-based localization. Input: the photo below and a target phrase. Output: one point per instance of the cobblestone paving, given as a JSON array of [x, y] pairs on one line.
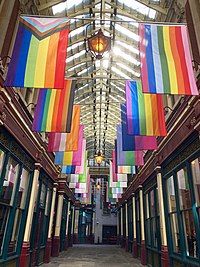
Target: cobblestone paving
[[94, 256]]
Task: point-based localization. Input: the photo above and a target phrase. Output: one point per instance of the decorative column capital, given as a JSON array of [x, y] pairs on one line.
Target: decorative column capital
[[55, 186], [158, 169], [38, 166]]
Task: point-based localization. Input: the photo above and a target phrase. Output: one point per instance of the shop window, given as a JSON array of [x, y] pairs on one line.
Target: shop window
[[184, 191], [130, 221], [171, 194], [2, 158], [175, 235], [10, 181], [21, 202], [4, 211], [152, 218], [195, 165]]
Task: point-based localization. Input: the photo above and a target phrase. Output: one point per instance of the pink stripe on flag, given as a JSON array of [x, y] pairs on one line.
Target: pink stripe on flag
[[78, 154], [193, 85], [145, 141], [144, 75]]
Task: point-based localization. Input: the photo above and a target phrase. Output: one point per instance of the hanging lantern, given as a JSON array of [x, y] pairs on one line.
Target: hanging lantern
[[98, 44], [99, 158]]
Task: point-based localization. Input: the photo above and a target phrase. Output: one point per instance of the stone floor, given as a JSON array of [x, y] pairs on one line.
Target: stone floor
[[94, 256]]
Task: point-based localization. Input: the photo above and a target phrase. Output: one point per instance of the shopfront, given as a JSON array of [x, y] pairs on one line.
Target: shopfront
[[40, 223], [152, 223], [181, 176], [16, 172]]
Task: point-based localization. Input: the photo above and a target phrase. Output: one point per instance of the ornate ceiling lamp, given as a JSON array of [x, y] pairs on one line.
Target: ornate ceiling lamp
[[98, 44], [99, 158]]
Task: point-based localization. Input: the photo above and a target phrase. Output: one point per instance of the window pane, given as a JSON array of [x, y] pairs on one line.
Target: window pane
[[23, 189], [42, 195], [154, 233], [148, 232], [48, 202], [2, 158], [171, 194], [10, 181], [15, 231], [190, 233], [196, 179], [175, 232], [4, 210], [147, 205], [184, 190], [152, 203]]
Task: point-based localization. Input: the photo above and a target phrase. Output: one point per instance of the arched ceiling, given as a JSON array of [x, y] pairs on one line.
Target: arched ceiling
[[100, 83]]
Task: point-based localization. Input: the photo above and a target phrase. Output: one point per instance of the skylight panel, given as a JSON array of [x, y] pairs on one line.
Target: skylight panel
[[69, 59], [139, 7], [66, 5], [132, 22], [129, 47], [74, 46], [127, 32], [128, 69], [119, 72], [59, 8], [118, 52], [77, 31], [77, 66], [120, 89], [83, 71]]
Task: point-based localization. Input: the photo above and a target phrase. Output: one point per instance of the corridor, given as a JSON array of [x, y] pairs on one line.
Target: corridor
[[94, 256]]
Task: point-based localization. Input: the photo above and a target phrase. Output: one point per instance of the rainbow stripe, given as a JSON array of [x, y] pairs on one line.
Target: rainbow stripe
[[53, 111], [71, 157], [166, 65], [70, 169], [39, 54], [67, 141], [134, 142], [127, 158], [145, 112], [114, 182], [126, 169]]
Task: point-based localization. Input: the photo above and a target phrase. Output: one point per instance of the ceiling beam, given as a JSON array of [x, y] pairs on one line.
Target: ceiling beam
[[49, 4]]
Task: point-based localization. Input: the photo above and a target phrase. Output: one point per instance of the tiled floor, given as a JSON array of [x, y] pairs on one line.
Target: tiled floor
[[94, 256]]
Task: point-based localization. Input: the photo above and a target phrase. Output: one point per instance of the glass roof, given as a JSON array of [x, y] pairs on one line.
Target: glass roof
[[100, 83]]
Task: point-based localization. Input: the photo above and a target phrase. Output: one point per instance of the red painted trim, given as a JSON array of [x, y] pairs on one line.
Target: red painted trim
[[24, 259], [135, 249], [165, 262], [55, 246], [47, 255], [143, 253]]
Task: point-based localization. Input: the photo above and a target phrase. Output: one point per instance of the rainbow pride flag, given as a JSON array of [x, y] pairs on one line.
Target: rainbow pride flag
[[145, 112], [70, 157], [67, 141], [114, 182], [126, 170], [127, 158], [54, 107], [166, 65], [134, 142], [72, 169], [39, 54]]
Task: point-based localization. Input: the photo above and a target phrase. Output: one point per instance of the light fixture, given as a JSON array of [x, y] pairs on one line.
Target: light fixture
[[98, 44], [98, 186], [99, 157]]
